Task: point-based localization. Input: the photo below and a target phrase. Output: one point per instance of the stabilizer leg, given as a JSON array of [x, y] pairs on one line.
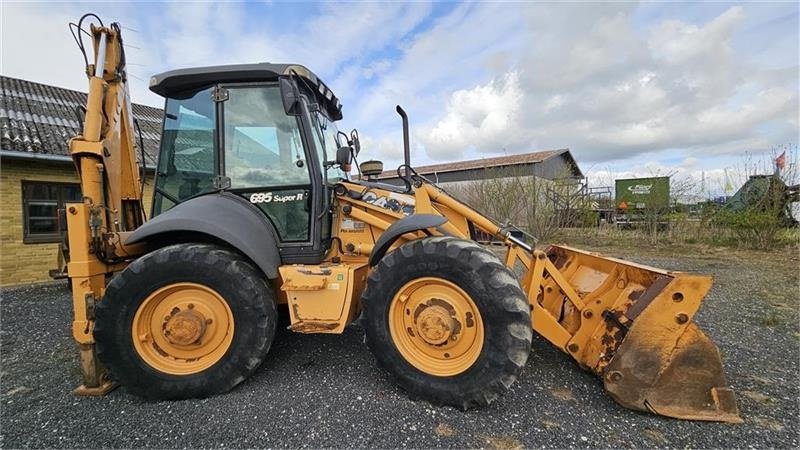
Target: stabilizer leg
[[95, 379]]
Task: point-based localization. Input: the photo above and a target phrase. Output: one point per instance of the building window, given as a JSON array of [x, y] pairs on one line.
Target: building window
[[40, 204]]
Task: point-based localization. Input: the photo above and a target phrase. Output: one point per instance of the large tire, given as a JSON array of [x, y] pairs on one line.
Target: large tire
[[218, 280], [449, 265]]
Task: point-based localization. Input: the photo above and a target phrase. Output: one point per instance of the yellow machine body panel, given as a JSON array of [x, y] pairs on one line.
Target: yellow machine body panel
[[322, 298]]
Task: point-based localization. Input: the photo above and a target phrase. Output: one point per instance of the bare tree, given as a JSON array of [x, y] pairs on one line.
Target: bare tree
[[537, 205]]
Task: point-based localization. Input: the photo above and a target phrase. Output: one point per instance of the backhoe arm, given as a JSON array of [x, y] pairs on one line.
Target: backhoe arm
[[105, 159]]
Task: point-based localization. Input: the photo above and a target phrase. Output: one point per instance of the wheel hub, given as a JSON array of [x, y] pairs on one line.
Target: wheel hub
[[182, 328], [435, 325], [185, 327]]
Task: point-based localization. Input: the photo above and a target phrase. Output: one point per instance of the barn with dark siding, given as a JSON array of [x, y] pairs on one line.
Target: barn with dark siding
[[546, 164]]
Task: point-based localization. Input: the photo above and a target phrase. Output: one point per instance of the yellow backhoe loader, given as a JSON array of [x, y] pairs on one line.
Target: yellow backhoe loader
[[254, 208]]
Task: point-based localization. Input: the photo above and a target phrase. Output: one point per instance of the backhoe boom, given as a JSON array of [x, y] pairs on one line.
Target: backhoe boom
[[105, 159]]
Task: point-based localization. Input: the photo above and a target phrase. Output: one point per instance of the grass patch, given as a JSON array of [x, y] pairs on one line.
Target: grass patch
[[655, 436], [502, 442], [444, 430], [768, 423], [758, 397], [692, 235], [563, 394], [550, 425], [770, 319], [760, 380]]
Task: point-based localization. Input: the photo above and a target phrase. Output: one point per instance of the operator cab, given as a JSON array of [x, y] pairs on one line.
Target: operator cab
[[265, 132]]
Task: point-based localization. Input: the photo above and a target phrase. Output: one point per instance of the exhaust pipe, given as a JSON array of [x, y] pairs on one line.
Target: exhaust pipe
[[406, 146]]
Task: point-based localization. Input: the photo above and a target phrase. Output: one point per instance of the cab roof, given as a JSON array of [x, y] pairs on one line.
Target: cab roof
[[173, 83]]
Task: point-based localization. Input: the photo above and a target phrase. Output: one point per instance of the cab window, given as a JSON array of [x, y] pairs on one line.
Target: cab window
[[328, 141], [186, 162]]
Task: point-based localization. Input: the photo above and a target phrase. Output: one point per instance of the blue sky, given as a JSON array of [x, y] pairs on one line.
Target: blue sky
[[632, 89]]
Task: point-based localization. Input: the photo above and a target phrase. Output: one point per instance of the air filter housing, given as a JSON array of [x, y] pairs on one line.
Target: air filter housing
[[371, 169]]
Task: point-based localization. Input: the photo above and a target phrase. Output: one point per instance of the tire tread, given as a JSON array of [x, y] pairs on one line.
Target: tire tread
[[252, 337], [505, 358]]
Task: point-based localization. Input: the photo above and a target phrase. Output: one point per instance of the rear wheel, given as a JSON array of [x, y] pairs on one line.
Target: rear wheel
[[188, 320], [448, 320]]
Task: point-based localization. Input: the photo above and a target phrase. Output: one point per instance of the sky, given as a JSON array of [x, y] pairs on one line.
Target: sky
[[693, 90]]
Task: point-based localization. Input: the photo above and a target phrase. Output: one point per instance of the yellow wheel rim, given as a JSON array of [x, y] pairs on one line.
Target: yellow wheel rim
[[436, 326], [182, 328]]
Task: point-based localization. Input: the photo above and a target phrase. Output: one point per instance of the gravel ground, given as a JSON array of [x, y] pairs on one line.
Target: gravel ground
[[325, 391]]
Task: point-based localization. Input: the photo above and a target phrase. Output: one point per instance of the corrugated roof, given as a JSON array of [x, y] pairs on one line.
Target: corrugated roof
[[39, 118], [483, 163]]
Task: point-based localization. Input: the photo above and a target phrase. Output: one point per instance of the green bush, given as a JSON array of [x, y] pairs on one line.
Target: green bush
[[588, 218], [753, 228]]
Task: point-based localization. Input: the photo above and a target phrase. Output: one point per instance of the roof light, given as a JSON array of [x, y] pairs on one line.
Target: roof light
[[298, 69]]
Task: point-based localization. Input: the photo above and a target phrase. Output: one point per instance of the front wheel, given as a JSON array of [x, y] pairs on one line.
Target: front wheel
[[188, 320], [448, 320]]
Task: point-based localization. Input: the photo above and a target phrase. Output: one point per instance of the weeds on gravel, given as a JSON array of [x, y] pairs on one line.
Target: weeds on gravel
[[550, 425], [758, 397], [770, 319], [563, 394], [691, 234], [768, 423], [655, 436], [502, 442], [444, 430]]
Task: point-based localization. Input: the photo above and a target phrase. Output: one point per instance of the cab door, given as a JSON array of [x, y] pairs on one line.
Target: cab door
[[265, 159]]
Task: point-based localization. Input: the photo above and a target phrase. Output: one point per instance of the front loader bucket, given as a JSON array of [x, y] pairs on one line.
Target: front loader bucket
[[682, 379], [632, 325]]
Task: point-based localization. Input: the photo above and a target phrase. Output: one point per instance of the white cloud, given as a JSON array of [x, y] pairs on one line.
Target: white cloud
[[456, 50], [178, 34], [483, 78], [677, 42], [479, 118], [609, 92]]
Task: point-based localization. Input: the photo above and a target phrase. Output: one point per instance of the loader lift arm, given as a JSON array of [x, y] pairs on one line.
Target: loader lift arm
[[628, 323]]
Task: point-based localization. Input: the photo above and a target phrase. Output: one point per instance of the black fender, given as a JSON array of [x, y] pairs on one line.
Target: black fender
[[223, 216], [414, 222]]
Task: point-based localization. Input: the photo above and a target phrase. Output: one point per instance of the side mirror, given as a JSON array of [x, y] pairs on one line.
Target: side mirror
[[344, 157], [290, 96]]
